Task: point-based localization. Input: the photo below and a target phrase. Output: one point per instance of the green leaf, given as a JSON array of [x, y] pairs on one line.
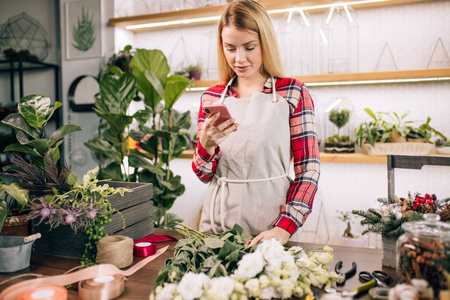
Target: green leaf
[[34, 109], [214, 243], [19, 194], [116, 121], [3, 213], [154, 81], [143, 115], [52, 110], [62, 132], [116, 94], [140, 162], [98, 145], [227, 248], [111, 172], [175, 87], [155, 62], [370, 113], [16, 121]]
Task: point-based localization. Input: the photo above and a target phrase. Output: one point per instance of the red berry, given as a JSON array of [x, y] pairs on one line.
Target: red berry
[[427, 196], [430, 202], [422, 200]]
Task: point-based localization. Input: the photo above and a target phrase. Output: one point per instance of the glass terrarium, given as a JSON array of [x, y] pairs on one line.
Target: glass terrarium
[[339, 124]]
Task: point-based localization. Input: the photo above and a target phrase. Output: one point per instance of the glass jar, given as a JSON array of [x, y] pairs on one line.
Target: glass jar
[[421, 250]]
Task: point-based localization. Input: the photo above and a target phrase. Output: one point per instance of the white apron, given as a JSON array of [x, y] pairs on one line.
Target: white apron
[[252, 181]]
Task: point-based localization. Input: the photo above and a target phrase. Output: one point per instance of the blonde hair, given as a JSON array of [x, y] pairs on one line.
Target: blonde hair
[[252, 16]]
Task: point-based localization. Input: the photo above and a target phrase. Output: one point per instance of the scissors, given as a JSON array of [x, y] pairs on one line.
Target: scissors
[[381, 278]]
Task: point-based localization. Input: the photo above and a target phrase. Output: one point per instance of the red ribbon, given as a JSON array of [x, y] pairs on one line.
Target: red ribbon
[[146, 246]]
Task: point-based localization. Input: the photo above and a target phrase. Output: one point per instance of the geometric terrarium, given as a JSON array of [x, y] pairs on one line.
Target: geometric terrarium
[[339, 126]]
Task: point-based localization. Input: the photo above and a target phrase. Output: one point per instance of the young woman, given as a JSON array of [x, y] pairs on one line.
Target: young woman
[[246, 159]]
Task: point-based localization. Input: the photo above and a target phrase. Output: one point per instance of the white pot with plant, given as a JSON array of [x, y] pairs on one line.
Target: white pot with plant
[[348, 238]]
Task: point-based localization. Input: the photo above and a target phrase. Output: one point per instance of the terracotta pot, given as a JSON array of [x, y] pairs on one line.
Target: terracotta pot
[[16, 226], [394, 137]]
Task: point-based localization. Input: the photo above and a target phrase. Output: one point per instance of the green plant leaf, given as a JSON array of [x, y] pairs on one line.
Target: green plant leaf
[[34, 109], [23, 149], [155, 62], [214, 243], [155, 83], [16, 121], [3, 213], [111, 172], [143, 115], [116, 121], [116, 94], [104, 147], [227, 249], [19, 194], [52, 110], [62, 132], [175, 87], [370, 113], [140, 162]]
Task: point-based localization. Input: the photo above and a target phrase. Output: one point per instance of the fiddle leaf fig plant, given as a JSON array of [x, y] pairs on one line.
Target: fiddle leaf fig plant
[[35, 168], [156, 130]]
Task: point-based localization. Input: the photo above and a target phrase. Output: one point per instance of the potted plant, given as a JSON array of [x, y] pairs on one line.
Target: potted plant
[[158, 129], [37, 172], [442, 145], [338, 143], [348, 238], [375, 130]]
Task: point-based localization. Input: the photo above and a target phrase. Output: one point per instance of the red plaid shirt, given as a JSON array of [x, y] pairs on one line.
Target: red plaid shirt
[[304, 149]]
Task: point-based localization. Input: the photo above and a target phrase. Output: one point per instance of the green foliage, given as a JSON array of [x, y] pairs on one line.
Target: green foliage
[[213, 255], [84, 31], [339, 117], [157, 128], [40, 171], [337, 139], [374, 130]]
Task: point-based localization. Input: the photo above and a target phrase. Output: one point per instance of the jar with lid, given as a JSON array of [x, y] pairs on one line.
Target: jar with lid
[[421, 251]]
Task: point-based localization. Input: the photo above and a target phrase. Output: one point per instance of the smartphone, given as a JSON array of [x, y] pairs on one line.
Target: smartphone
[[211, 110]]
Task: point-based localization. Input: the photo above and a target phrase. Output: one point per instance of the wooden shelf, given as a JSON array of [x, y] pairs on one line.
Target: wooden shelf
[[357, 158], [359, 78], [214, 11]]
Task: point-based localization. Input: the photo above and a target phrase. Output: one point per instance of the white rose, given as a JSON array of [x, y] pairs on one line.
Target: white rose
[[264, 281], [252, 287], [274, 253], [250, 265], [192, 285], [168, 292], [220, 288]]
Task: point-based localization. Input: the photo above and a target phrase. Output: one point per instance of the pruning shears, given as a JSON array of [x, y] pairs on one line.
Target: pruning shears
[[343, 276]]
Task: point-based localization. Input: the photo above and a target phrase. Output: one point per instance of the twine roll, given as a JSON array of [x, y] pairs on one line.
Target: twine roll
[[116, 250]]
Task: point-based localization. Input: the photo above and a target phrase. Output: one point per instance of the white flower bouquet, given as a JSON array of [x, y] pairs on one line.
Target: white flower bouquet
[[266, 271]]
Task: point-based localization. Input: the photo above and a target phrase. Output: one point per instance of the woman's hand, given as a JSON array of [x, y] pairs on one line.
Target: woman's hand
[[277, 233], [211, 136]]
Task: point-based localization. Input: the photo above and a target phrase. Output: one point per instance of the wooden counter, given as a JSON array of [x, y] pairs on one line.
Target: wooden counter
[[141, 283]]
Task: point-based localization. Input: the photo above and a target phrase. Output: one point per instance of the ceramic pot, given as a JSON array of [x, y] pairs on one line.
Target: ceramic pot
[[16, 226]]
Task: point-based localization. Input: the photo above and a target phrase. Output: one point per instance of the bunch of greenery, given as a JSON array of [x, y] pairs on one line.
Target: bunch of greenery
[[213, 255], [387, 221], [38, 170], [374, 130], [158, 129]]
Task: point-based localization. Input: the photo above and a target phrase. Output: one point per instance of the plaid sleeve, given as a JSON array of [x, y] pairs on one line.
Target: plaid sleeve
[[203, 164], [305, 150]]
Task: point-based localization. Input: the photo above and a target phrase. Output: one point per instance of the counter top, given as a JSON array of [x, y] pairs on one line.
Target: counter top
[[141, 283]]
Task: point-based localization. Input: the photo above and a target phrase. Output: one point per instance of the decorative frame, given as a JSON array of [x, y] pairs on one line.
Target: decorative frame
[[83, 29]]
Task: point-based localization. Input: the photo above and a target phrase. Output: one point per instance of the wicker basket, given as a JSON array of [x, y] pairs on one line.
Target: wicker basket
[[398, 148]]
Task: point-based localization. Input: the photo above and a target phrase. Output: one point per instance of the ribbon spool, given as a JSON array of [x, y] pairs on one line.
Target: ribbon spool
[[144, 249], [379, 293], [45, 293], [102, 287], [116, 250]]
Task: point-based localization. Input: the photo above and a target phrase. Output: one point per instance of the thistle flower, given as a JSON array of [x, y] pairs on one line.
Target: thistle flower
[[41, 209]]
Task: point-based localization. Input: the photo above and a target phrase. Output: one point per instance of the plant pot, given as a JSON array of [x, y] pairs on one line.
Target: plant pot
[[16, 226], [358, 241], [389, 252], [394, 137], [443, 150], [136, 207]]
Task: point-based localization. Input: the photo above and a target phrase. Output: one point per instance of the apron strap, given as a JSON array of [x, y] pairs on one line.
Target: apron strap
[[274, 92], [223, 181]]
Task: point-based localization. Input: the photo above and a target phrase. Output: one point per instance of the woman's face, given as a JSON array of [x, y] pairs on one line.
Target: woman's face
[[243, 51]]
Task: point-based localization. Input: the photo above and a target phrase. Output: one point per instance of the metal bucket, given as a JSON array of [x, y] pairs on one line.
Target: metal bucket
[[15, 252]]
